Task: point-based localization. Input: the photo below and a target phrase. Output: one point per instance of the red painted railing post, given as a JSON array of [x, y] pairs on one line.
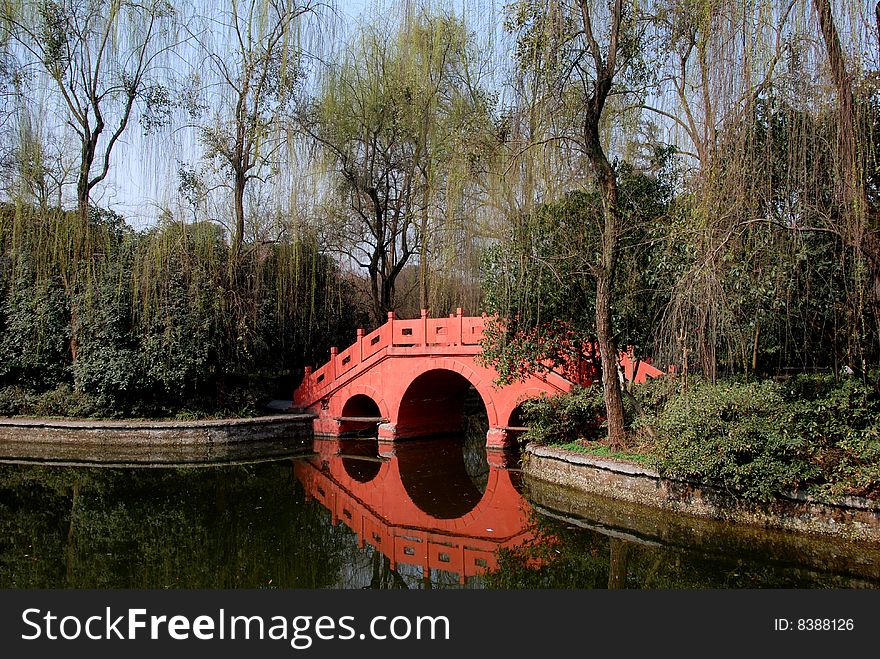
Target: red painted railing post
[[332, 374], [307, 379], [460, 313], [360, 342], [391, 317], [424, 327]]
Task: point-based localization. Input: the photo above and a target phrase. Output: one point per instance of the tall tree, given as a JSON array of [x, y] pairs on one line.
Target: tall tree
[[859, 225], [101, 57], [251, 75], [579, 49], [394, 120]]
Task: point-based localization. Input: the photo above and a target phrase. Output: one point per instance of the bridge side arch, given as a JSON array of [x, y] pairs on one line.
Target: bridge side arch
[[355, 400], [511, 413], [354, 390]]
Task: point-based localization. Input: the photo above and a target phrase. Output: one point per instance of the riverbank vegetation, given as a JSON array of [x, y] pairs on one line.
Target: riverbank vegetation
[[696, 179], [755, 439], [101, 320]]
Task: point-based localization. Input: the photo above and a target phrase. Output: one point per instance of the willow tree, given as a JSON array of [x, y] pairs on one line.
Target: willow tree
[[578, 50], [251, 74], [102, 58], [860, 225], [713, 62], [395, 120]]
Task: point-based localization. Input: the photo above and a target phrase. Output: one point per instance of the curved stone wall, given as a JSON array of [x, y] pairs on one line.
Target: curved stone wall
[[851, 518]]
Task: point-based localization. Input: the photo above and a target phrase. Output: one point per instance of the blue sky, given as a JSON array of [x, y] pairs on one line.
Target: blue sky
[[142, 179]]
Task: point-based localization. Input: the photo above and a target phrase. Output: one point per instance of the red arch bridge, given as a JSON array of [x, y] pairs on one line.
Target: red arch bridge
[[412, 377]]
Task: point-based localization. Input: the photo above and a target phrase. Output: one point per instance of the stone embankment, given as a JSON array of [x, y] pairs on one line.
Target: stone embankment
[[153, 441], [851, 518]]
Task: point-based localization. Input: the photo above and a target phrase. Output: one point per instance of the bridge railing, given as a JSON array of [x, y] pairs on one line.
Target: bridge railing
[[455, 330]]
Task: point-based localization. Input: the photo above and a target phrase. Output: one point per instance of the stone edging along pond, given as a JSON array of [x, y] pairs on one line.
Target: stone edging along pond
[[851, 517], [147, 441]]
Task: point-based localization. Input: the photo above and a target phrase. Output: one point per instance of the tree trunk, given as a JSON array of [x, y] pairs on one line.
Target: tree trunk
[[607, 183], [608, 354], [755, 347], [606, 180], [238, 238], [423, 258], [877, 13], [618, 563]]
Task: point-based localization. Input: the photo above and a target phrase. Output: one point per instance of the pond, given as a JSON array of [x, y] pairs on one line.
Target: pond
[[438, 513]]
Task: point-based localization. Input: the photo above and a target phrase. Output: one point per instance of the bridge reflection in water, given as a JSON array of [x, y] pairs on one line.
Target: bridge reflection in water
[[430, 504]]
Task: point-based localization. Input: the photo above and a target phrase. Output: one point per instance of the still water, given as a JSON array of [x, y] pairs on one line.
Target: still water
[[436, 513]]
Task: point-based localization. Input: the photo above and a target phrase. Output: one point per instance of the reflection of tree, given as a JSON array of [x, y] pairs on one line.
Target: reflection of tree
[[617, 562], [219, 527], [384, 577], [565, 556], [474, 449]]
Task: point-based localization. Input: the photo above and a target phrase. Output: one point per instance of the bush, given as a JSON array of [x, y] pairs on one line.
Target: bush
[[62, 401], [735, 436], [564, 418], [764, 438], [754, 439], [15, 401]]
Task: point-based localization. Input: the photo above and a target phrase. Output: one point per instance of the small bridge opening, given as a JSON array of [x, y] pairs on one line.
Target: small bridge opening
[[516, 424], [360, 417]]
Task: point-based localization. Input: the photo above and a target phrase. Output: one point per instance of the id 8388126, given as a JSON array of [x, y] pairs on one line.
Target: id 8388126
[[813, 624]]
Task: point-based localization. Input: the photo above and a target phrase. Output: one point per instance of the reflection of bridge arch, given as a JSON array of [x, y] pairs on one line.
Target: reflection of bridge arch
[[384, 515], [361, 460]]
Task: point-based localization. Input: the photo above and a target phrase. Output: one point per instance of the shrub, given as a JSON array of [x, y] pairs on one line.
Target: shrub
[[564, 418], [735, 436], [768, 437]]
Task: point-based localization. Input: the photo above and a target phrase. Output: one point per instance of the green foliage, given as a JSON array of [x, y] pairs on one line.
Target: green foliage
[[404, 125], [753, 439], [152, 323], [759, 439], [34, 332], [61, 401], [602, 450], [734, 436], [539, 282], [564, 418]]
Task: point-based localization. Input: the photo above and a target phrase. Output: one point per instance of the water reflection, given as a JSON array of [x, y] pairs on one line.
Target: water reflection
[[422, 519], [363, 514], [231, 526], [418, 508], [588, 541]]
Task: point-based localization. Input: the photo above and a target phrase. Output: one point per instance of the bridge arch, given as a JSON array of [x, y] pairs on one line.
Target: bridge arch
[[432, 402], [514, 415], [358, 401]]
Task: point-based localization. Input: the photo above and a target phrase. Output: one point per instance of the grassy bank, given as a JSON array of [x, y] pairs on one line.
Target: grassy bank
[[818, 434]]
